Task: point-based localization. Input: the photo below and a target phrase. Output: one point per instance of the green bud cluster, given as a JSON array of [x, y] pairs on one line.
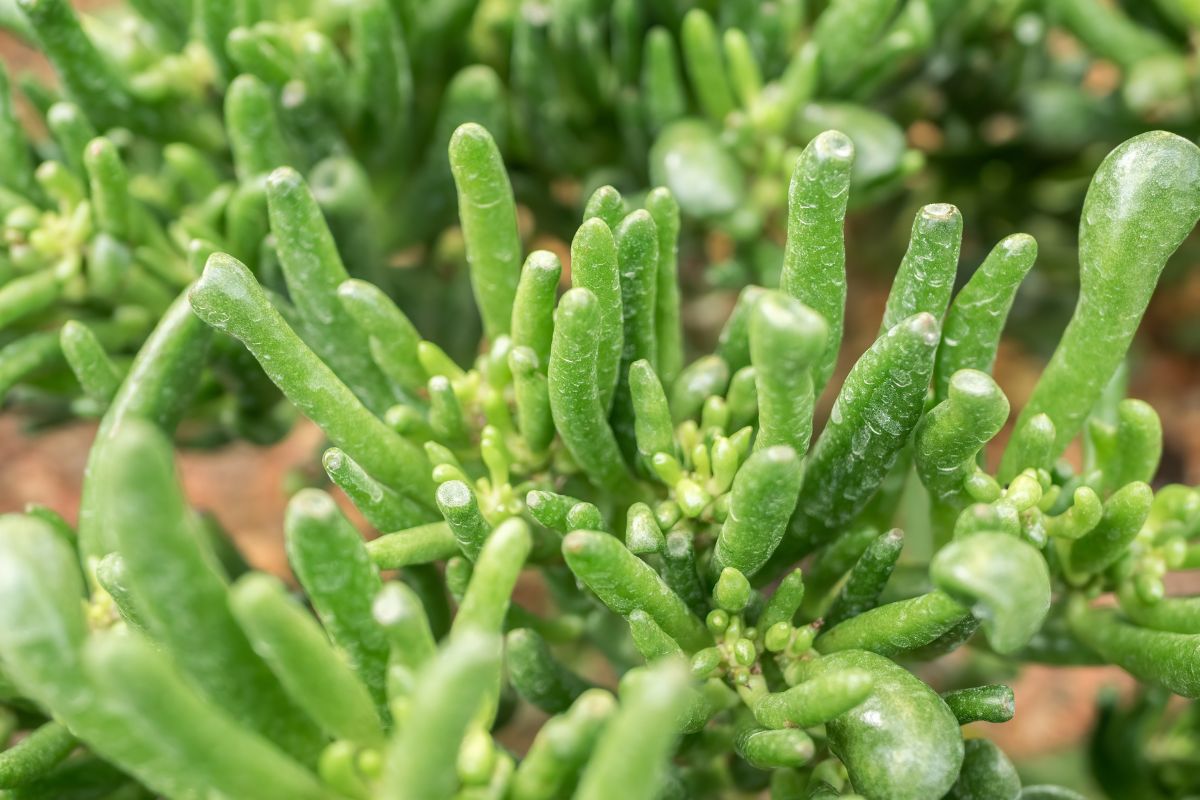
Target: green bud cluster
[[737, 573]]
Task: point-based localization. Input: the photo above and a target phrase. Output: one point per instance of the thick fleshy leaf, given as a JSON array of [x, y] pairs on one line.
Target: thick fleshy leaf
[[689, 160], [1004, 579]]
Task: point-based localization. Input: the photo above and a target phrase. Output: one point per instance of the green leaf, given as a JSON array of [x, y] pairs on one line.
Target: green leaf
[[1003, 579]]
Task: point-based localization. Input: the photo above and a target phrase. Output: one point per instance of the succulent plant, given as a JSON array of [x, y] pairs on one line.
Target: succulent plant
[[760, 590]]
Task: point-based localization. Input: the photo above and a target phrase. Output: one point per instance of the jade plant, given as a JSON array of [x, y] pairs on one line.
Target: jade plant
[[708, 593]]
